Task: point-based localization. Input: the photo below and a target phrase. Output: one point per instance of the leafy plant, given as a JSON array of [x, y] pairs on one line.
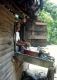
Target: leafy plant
[[49, 16]]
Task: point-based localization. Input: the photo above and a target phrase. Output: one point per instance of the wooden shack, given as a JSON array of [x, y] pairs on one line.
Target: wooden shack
[[36, 33], [9, 68]]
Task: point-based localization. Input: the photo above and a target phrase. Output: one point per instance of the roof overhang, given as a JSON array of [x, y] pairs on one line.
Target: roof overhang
[[29, 7]]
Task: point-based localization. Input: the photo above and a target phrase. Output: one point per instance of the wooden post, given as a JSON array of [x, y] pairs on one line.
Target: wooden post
[[50, 74]]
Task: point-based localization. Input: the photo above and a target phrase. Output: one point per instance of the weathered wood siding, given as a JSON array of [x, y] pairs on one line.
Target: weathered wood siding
[[37, 34], [7, 67]]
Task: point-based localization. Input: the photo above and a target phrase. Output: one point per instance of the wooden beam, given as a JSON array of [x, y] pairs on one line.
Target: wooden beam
[[35, 60]]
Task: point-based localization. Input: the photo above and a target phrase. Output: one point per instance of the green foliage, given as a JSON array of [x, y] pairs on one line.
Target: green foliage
[[49, 16]]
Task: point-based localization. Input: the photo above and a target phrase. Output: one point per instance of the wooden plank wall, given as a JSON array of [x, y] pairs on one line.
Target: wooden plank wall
[[7, 67]]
